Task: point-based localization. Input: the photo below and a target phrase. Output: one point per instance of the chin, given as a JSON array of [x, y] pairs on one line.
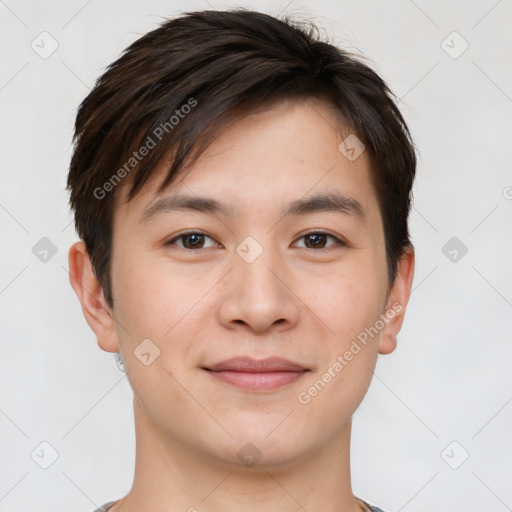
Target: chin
[[262, 455], [264, 444]]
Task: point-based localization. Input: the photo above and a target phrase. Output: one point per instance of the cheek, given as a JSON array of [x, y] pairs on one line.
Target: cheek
[[154, 305], [137, 298], [348, 299], [348, 306], [149, 292], [159, 302]]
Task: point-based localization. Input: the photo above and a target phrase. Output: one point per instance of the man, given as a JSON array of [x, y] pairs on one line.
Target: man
[[241, 190]]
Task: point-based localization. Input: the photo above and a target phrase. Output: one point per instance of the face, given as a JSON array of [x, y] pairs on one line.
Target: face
[[267, 274]]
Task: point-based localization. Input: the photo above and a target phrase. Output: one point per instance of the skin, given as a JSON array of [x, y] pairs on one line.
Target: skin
[[201, 306]]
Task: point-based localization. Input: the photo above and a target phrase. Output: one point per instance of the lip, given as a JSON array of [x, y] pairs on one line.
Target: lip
[[252, 374], [248, 364]]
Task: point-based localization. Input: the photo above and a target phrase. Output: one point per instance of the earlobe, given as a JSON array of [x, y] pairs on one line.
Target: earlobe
[[96, 311], [387, 343], [397, 302]]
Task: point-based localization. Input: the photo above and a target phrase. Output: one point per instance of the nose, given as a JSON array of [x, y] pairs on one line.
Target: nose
[[259, 294]]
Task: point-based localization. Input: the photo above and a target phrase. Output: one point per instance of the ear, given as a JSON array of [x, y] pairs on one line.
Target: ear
[[96, 311], [397, 302]]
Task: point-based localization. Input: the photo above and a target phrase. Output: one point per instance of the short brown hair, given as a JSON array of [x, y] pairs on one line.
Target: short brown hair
[[221, 64]]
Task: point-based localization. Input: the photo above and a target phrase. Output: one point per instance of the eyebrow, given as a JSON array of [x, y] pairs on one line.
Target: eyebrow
[[324, 202]]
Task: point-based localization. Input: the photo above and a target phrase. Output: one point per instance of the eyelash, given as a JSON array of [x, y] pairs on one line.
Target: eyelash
[[339, 241]]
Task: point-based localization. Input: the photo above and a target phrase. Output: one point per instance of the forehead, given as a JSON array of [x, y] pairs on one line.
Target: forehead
[[293, 149]]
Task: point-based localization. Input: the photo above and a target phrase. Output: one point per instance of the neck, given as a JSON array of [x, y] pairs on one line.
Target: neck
[[171, 477]]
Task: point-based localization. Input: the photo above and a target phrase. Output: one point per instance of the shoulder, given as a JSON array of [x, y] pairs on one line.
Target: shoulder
[[371, 507], [106, 506]]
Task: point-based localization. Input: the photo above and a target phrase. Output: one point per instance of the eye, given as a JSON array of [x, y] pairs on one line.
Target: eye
[[317, 239], [195, 240], [192, 240]]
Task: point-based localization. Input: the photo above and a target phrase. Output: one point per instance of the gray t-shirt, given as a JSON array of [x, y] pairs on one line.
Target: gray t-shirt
[[105, 507]]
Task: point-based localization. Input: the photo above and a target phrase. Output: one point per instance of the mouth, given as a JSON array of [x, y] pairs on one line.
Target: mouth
[[251, 374]]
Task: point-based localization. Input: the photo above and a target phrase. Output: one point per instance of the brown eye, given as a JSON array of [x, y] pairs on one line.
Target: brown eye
[[191, 240], [318, 239]]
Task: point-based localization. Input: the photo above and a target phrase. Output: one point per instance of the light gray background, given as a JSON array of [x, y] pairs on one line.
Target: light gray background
[[449, 379]]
